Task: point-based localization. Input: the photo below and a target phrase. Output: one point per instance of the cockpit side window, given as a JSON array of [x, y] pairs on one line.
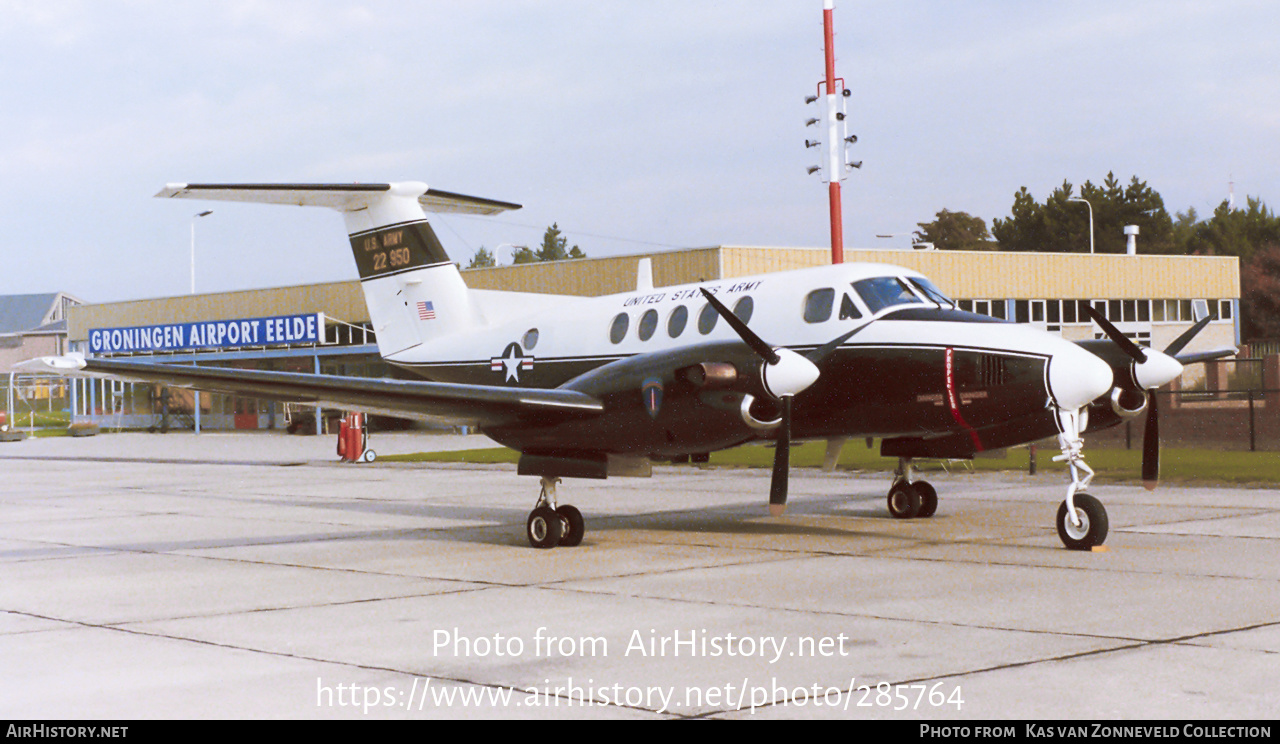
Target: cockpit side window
[[885, 291], [848, 308], [818, 305]]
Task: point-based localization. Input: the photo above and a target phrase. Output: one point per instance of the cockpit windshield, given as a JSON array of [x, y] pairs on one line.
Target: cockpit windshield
[[885, 291], [932, 292]]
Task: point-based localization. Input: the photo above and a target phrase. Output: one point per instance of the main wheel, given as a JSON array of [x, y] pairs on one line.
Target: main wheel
[[574, 526], [928, 499], [1093, 523], [904, 501], [544, 527]]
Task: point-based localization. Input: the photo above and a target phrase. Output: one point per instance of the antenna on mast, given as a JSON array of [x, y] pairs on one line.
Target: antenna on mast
[[835, 165]]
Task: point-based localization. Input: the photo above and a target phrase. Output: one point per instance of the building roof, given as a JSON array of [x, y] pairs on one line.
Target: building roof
[[20, 313]]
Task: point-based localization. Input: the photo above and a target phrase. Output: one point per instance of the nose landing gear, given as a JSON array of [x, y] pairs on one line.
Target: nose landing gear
[[550, 525], [908, 498], [1082, 519]]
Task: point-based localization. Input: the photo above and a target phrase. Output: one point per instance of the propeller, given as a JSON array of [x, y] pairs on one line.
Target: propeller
[[1150, 370], [784, 375]]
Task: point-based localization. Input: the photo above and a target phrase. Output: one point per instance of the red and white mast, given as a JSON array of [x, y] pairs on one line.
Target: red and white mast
[[834, 168]]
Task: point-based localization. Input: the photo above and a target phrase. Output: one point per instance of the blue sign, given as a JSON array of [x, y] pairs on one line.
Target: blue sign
[[280, 330]]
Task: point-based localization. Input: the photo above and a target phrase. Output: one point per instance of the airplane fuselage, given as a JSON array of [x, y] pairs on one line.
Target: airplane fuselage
[[934, 380]]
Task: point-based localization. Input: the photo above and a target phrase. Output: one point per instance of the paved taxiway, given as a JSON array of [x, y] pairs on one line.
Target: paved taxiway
[[253, 576]]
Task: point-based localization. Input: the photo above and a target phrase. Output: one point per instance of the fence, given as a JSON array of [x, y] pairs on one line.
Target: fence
[[1225, 404]]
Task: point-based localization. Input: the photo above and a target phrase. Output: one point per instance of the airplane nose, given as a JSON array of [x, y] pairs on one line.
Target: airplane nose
[[1077, 377]]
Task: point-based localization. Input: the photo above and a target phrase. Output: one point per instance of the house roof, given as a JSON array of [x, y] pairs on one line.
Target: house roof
[[19, 313]]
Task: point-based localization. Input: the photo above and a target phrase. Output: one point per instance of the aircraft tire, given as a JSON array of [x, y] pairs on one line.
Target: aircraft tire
[[1093, 523], [544, 527], [928, 499], [574, 527], [904, 501]]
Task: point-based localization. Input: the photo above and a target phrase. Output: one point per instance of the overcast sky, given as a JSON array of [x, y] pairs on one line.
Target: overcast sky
[[637, 126]]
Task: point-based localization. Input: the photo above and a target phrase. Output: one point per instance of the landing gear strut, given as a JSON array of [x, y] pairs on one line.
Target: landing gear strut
[[1082, 519], [908, 498], [549, 525]]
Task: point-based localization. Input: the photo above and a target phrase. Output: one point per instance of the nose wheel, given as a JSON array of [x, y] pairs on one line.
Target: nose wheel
[[550, 525], [1089, 528]]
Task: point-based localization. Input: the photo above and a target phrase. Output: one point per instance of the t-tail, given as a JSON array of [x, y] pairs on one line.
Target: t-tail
[[415, 294]]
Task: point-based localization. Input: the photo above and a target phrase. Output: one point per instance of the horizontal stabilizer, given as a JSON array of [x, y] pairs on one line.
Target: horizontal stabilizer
[[342, 197]]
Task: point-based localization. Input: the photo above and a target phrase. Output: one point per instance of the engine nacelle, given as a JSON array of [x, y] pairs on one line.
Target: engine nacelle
[[1127, 403], [755, 423]]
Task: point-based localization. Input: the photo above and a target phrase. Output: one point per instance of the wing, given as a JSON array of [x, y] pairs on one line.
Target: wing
[[482, 405]]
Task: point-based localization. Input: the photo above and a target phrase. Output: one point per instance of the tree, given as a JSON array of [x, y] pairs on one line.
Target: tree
[[553, 246], [956, 231], [1260, 293], [1062, 225], [1231, 232], [482, 259]]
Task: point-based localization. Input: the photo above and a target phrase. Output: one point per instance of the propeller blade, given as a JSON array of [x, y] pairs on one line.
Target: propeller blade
[[781, 462], [1205, 356], [1128, 347], [818, 355], [1180, 342], [757, 344], [1151, 445]]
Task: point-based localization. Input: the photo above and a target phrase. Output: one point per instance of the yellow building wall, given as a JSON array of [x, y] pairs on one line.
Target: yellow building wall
[[960, 274]]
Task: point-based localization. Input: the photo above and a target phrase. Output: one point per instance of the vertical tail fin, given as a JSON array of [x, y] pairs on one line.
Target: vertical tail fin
[[413, 291]]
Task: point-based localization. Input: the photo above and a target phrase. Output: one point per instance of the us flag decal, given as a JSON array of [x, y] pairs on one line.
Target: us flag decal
[[426, 311]]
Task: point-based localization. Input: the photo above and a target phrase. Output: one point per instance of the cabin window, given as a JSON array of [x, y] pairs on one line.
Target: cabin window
[[744, 308], [678, 320], [648, 324], [818, 304], [530, 339], [618, 330], [885, 291], [707, 319]]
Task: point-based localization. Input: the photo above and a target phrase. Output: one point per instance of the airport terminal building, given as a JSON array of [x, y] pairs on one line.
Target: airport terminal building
[[325, 328]]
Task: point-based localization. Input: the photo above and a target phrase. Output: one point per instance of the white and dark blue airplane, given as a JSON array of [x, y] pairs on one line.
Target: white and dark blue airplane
[[588, 387]]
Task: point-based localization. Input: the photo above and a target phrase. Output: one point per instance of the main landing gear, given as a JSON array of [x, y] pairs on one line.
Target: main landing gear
[[550, 525], [1082, 520], [909, 498]]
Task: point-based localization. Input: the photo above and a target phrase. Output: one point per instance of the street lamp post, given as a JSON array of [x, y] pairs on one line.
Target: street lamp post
[[1090, 206], [205, 213], [195, 398]]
